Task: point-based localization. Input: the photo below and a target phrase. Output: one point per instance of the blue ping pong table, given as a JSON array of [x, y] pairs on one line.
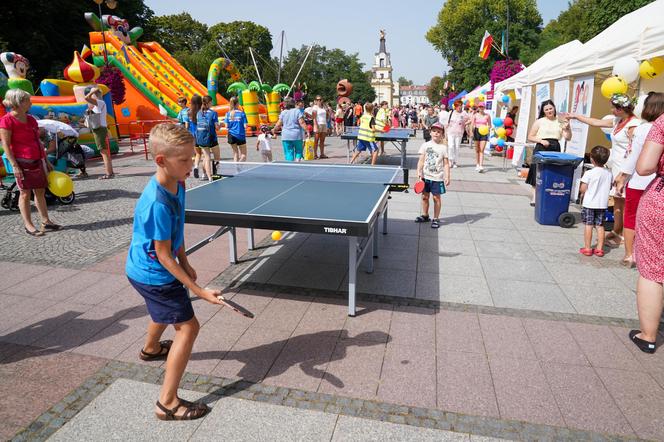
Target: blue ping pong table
[[398, 136], [341, 200]]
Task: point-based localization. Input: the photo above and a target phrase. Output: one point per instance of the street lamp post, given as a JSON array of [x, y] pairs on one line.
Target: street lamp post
[[111, 5]]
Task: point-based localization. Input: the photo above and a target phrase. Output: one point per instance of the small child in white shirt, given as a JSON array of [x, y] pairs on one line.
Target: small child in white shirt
[[595, 186], [263, 144]]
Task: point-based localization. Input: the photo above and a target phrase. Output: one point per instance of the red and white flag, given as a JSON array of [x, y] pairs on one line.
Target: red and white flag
[[485, 47]]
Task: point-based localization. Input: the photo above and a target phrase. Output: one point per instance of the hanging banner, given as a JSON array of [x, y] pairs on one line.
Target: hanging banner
[[582, 96], [522, 125], [561, 95]]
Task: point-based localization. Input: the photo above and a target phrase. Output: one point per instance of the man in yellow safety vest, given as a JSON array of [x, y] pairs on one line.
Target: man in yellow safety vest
[[382, 120], [366, 137]]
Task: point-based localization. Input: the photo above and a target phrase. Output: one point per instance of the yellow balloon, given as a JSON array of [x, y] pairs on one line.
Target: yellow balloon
[[650, 69], [613, 85], [483, 130], [500, 131], [480, 97], [60, 184], [276, 235]]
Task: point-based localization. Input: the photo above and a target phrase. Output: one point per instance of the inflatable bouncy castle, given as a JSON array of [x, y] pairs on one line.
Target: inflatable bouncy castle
[[154, 79], [61, 100]]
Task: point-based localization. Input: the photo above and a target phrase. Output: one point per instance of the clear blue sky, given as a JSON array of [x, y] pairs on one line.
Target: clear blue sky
[[349, 25]]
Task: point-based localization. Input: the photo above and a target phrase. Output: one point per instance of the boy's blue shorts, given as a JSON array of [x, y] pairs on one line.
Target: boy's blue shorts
[[434, 187], [168, 303], [292, 149], [363, 145]]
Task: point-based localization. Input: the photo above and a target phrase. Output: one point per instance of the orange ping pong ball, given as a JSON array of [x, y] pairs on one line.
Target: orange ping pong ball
[[276, 235]]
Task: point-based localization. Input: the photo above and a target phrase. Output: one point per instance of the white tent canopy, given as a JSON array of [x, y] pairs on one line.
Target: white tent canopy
[[538, 67], [639, 34], [478, 91]]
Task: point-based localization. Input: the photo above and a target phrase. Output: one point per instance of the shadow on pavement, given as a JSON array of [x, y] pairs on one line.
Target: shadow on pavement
[[302, 356], [72, 330]]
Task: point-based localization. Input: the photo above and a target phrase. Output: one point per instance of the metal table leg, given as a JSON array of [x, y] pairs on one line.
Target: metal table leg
[[385, 221], [375, 240], [352, 274], [232, 245], [250, 239]]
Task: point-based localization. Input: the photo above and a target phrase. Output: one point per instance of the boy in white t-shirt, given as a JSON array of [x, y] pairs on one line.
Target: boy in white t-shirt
[[434, 168], [595, 187], [263, 144]]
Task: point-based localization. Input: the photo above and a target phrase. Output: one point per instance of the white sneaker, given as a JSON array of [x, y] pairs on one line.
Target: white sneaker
[[481, 170], [477, 168], [204, 177], [454, 165]]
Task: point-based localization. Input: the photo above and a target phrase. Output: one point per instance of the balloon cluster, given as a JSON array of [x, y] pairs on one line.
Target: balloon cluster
[[503, 128], [627, 70]]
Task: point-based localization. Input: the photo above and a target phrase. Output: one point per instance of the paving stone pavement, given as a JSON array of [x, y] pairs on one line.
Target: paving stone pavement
[[491, 326]]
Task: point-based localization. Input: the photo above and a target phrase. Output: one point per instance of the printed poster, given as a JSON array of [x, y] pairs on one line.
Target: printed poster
[[522, 125], [582, 97], [542, 93], [561, 95]]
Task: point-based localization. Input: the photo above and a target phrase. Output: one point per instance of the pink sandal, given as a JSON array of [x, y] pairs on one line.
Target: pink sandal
[[598, 252], [587, 252]]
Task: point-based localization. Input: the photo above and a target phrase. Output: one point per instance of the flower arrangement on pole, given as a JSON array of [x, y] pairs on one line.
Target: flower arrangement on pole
[[504, 69]]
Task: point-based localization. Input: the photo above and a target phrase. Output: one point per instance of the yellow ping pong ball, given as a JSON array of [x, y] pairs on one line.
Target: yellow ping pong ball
[[276, 235]]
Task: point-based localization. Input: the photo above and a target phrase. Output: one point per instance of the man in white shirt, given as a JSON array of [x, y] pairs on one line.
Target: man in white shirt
[[443, 115], [97, 107], [595, 186]]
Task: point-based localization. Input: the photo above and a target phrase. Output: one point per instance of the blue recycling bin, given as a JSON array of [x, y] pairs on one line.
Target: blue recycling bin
[[553, 187]]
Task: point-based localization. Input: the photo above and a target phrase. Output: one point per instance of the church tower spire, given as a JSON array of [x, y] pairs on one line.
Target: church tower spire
[[381, 78]]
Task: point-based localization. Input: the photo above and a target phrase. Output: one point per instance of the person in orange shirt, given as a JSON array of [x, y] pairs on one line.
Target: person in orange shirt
[[358, 113]]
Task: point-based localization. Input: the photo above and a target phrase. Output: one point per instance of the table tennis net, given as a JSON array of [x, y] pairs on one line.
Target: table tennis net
[[312, 172]]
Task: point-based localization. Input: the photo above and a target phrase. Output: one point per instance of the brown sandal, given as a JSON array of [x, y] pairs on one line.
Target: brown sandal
[[195, 410], [161, 354]]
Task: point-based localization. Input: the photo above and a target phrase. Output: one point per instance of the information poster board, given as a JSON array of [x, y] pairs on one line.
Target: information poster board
[[522, 125], [561, 95], [582, 98], [542, 93]]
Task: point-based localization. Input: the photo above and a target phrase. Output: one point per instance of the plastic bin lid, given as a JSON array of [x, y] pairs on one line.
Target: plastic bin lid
[[561, 158]]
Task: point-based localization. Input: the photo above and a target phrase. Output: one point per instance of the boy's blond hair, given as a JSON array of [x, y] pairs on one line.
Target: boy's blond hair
[[368, 107], [167, 138]]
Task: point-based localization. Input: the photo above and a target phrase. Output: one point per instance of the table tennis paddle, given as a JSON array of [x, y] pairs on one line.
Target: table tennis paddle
[[237, 308], [419, 186]]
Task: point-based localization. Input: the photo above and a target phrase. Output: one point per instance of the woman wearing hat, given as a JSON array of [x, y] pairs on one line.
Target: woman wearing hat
[[622, 125]]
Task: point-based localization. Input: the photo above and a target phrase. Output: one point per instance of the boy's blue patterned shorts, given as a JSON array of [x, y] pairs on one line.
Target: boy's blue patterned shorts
[[593, 217]]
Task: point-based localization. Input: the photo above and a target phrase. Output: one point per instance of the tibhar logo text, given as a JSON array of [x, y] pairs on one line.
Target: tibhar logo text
[[335, 230]]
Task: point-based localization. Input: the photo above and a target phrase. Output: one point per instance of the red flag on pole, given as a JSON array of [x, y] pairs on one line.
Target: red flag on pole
[[485, 47]]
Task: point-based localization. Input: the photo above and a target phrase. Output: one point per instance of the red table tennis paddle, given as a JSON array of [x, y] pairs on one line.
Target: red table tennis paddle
[[237, 308], [419, 186]]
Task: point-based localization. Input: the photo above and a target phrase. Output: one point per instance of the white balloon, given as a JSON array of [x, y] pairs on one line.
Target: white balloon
[[639, 105], [493, 140], [627, 68]]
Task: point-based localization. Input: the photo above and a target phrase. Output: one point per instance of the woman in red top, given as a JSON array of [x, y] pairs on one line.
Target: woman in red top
[[649, 242], [19, 134]]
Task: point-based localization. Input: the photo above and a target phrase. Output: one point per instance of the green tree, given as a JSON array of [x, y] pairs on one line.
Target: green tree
[[179, 32], [460, 28], [324, 68], [582, 20], [234, 40], [435, 89], [48, 33], [403, 81]]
